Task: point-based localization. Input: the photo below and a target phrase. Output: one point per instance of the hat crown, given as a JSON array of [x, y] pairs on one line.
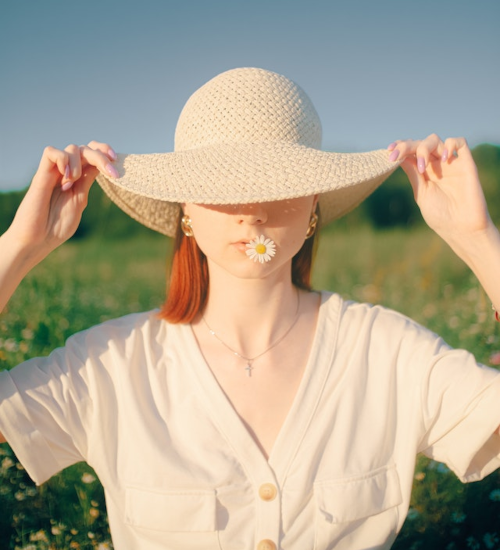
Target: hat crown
[[248, 105]]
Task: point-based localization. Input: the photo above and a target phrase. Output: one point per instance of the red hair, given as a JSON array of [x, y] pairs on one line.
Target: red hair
[[187, 289]]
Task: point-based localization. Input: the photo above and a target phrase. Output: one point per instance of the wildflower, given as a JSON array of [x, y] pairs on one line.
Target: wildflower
[[495, 495], [412, 514], [27, 334], [39, 536], [453, 321], [490, 540], [473, 544], [23, 347], [261, 249], [91, 535], [56, 530], [94, 512], [11, 345], [419, 476], [19, 495], [31, 492], [88, 478], [495, 358], [103, 546], [442, 468], [7, 463], [458, 517]]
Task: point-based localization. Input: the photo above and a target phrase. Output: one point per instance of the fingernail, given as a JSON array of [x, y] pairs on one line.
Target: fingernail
[[421, 165], [67, 185], [394, 155], [444, 156], [66, 171], [391, 146], [112, 171], [112, 154]]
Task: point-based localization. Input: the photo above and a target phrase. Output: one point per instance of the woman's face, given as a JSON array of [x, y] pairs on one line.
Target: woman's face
[[223, 231]]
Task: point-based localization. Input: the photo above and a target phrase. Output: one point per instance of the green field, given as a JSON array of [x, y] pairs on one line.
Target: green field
[[88, 281]]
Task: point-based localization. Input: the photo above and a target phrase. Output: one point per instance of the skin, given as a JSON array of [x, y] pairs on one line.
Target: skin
[[250, 304]]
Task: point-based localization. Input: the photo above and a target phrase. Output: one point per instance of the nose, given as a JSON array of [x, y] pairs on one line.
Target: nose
[[252, 214]]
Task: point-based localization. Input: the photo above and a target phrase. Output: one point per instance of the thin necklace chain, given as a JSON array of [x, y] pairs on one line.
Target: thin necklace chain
[[250, 360]]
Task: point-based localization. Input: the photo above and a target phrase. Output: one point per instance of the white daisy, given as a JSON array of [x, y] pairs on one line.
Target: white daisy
[[261, 249]]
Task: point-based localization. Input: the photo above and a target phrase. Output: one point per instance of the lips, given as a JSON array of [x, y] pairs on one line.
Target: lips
[[241, 245], [244, 241]]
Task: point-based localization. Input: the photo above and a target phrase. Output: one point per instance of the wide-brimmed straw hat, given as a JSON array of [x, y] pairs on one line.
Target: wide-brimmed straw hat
[[248, 135]]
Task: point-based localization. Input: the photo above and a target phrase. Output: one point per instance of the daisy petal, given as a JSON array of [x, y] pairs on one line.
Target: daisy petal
[[261, 249]]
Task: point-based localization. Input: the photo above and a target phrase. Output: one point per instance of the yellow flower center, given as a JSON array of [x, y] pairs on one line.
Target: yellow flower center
[[260, 248]]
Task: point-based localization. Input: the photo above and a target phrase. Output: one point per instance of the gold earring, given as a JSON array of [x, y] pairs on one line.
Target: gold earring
[[313, 222], [186, 226]]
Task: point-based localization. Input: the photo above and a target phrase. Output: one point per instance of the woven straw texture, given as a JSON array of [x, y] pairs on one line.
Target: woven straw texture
[[248, 135]]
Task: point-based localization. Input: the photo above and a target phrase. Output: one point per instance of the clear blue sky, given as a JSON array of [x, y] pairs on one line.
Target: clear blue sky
[[120, 71]]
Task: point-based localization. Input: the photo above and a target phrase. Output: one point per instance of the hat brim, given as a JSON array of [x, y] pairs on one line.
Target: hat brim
[[151, 186]]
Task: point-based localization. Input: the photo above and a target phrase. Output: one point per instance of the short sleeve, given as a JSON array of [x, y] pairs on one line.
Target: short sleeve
[[65, 408], [444, 404], [46, 409], [461, 411]]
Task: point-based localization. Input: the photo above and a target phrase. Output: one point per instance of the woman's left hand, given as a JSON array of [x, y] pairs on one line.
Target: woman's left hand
[[446, 186]]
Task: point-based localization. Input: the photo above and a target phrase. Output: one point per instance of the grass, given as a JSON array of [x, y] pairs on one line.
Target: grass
[[86, 282]]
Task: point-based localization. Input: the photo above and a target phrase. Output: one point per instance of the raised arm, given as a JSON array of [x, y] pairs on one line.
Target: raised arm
[[51, 210], [448, 192]]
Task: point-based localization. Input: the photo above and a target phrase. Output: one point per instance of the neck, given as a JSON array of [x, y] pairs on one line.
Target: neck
[[250, 314]]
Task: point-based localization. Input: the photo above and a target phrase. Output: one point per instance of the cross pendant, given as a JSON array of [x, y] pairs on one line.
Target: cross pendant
[[249, 369]]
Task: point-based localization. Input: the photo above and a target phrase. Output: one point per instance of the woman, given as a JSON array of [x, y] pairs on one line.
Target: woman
[[270, 416]]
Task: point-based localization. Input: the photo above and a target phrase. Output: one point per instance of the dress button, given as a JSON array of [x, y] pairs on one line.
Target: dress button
[[266, 544], [268, 491]]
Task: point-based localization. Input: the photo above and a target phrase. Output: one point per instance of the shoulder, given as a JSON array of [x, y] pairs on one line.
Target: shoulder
[[357, 313], [120, 333], [375, 325]]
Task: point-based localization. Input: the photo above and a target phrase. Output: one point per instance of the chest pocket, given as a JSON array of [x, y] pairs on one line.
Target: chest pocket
[[358, 510], [190, 516]]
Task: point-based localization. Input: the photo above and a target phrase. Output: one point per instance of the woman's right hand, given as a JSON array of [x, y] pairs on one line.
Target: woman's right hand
[[52, 208]]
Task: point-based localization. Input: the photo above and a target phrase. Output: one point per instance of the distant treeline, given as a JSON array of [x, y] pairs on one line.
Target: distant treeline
[[391, 205]]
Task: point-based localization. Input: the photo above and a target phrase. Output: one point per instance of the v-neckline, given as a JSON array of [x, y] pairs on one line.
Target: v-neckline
[[303, 406]]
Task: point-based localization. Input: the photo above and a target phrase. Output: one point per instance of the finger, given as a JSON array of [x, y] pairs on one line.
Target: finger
[[422, 150], [99, 159], [53, 162], [431, 146], [74, 168], [104, 148], [409, 165], [84, 164], [81, 190], [452, 147], [402, 148]]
